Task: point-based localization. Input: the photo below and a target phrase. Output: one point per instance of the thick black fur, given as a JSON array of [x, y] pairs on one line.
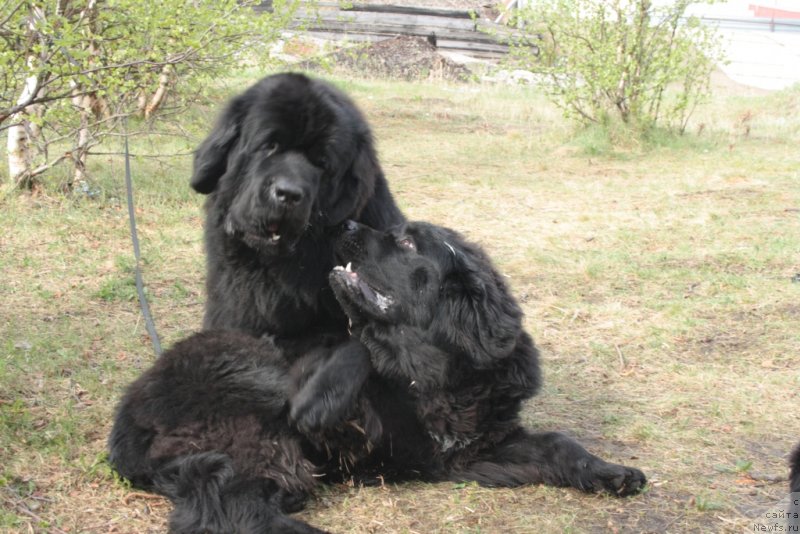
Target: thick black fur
[[445, 338], [207, 426], [289, 158], [237, 431]]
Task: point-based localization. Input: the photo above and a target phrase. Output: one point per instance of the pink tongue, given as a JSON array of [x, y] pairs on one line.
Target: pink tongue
[[272, 228]]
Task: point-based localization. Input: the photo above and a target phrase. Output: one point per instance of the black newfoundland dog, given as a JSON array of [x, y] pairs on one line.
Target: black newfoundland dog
[[289, 159], [794, 476], [432, 381]]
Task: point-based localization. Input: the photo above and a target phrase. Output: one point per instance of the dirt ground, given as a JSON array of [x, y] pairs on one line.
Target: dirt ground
[[401, 58]]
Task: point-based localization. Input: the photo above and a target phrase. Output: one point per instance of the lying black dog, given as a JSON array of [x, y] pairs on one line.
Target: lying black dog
[[445, 337], [236, 431], [794, 476]]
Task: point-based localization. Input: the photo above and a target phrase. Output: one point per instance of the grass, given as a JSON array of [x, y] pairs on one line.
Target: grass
[[656, 279]]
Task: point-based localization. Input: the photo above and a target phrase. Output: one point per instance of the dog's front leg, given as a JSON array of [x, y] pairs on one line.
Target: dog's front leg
[[331, 392]]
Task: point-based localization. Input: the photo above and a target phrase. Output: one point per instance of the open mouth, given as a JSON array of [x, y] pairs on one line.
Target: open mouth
[[268, 238], [273, 234], [260, 242], [359, 288], [271, 238]]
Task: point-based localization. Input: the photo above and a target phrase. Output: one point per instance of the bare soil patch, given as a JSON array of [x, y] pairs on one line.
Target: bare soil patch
[[402, 58]]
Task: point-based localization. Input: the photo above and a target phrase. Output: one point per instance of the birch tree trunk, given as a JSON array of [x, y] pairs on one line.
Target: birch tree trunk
[[19, 136], [161, 93], [23, 132], [87, 103], [84, 104]]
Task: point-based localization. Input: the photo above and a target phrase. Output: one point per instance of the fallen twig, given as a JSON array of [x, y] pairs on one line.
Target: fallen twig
[[139, 495]]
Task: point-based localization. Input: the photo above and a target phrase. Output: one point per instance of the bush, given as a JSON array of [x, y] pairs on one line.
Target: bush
[[626, 60], [72, 71]]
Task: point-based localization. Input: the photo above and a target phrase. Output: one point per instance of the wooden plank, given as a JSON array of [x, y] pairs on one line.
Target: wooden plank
[[455, 29], [400, 20], [402, 23], [350, 37], [468, 43], [412, 10], [394, 29], [485, 50], [447, 44], [380, 8]]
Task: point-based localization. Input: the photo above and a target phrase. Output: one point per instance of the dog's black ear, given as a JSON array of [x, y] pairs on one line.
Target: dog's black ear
[[477, 314], [356, 186], [211, 157]]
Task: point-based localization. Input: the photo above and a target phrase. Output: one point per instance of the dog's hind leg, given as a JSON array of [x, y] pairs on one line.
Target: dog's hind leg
[[210, 497], [549, 458]]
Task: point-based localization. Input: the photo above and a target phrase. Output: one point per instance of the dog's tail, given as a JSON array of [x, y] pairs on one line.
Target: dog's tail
[[210, 497]]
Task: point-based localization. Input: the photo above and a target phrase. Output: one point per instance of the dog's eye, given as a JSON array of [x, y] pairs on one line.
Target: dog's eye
[[407, 242], [271, 148]]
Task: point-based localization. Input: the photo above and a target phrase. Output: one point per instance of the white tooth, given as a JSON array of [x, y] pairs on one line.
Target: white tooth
[[338, 268], [349, 267], [275, 238]]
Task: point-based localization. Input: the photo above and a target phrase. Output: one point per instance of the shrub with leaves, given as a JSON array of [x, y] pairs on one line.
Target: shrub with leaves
[[637, 61], [70, 70]]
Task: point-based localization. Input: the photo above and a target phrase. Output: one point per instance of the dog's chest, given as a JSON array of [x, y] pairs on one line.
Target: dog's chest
[[451, 420]]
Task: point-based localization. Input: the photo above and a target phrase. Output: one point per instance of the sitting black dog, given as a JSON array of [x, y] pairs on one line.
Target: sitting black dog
[[237, 431]]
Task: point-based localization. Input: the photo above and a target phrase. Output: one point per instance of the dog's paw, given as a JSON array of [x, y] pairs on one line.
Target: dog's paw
[[618, 480], [313, 410], [289, 502], [330, 393]]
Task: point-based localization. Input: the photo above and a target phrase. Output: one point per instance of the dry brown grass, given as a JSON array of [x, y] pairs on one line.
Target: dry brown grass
[[657, 282]]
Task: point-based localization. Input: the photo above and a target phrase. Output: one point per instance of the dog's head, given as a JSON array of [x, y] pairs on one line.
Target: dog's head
[[424, 288], [288, 153]]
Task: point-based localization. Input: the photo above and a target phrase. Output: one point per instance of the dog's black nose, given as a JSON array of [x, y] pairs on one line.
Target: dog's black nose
[[286, 192]]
